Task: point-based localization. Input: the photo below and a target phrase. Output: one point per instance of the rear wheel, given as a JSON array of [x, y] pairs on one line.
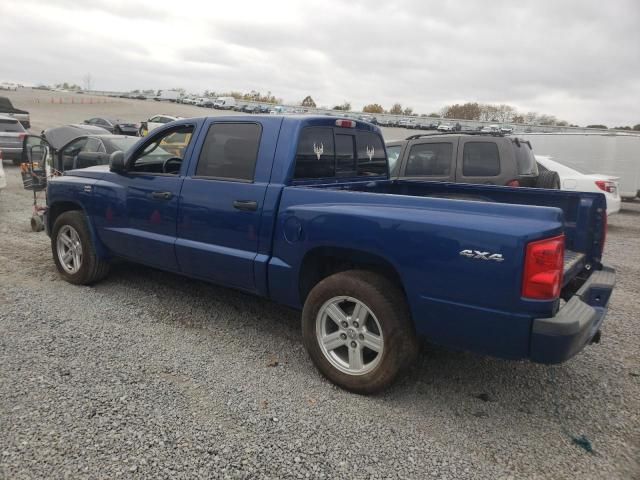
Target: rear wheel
[[73, 250], [357, 330], [548, 179]]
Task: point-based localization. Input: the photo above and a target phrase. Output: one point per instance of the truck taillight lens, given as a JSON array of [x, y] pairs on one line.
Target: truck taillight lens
[[345, 123], [543, 268], [513, 183], [605, 186]]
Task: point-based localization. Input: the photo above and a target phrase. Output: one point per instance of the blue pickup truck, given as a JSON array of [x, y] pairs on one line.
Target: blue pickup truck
[[300, 209]]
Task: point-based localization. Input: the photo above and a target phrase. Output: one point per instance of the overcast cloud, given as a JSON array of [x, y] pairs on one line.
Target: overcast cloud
[[578, 60]]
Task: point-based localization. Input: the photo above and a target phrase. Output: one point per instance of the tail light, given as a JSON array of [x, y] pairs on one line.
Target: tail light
[[21, 136], [606, 186], [513, 183], [543, 269]]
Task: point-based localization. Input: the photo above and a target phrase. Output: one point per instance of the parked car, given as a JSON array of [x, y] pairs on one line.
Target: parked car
[[8, 86], [154, 122], [445, 127], [301, 210], [114, 125], [76, 146], [490, 129], [265, 108], [11, 134], [426, 124], [3, 177], [204, 102], [608, 153], [385, 121], [578, 179], [469, 157], [251, 108], [6, 108], [224, 103], [406, 123]]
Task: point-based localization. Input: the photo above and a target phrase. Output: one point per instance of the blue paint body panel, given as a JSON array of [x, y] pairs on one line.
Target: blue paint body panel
[[404, 225]]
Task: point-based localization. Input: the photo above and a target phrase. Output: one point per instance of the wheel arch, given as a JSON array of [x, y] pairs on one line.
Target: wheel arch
[[321, 262], [62, 206]]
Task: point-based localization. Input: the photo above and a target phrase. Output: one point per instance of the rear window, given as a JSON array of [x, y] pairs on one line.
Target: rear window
[[230, 151], [480, 159], [10, 126], [315, 157], [525, 159], [372, 159], [429, 159], [321, 154]]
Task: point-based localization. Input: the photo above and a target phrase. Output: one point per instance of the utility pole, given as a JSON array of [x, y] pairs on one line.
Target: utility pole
[[87, 81]]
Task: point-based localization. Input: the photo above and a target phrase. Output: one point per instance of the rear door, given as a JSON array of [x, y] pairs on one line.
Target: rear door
[[222, 202], [430, 159]]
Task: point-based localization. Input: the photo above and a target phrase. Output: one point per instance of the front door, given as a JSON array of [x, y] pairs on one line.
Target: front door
[[139, 207]]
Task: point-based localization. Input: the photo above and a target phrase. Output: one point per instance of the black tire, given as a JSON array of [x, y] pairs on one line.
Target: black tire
[[92, 268], [387, 302], [548, 179], [37, 225]]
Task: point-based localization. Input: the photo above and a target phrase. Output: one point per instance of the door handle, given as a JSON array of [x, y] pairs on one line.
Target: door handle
[[162, 195], [247, 205]]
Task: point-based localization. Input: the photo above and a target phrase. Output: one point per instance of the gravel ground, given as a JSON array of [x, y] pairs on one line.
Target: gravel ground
[[150, 375]]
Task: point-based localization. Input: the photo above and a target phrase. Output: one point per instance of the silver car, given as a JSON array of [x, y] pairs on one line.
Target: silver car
[[11, 135]]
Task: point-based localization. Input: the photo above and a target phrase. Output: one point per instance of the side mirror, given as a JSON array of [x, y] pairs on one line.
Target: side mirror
[[116, 161]]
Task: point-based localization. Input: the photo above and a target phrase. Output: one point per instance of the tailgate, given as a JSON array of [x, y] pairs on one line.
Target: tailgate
[[573, 264]]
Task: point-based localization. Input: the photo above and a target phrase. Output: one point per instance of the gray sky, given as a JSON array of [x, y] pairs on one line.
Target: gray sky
[[578, 60]]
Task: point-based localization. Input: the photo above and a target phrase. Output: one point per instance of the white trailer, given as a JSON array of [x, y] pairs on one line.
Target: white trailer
[[615, 154], [167, 95]]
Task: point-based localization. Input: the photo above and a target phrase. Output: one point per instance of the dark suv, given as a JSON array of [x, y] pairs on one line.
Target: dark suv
[[469, 157]]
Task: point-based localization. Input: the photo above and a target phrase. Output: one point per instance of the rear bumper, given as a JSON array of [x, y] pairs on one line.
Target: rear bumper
[[556, 339]]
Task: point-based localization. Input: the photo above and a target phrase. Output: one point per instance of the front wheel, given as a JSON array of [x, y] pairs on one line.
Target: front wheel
[[356, 327], [73, 250]]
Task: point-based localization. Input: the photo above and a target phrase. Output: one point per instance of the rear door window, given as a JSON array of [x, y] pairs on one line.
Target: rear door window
[[230, 151], [429, 160], [480, 159], [315, 157]]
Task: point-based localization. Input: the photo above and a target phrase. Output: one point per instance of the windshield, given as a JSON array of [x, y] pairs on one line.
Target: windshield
[[122, 143], [393, 153]]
